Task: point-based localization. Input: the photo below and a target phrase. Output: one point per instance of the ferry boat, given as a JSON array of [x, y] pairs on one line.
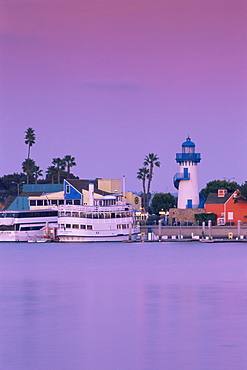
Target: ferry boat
[[105, 219], [28, 226]]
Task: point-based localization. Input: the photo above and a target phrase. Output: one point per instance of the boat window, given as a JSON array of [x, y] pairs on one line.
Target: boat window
[[2, 215], [39, 202], [107, 215], [54, 201], [77, 202], [89, 227], [83, 226], [67, 213], [75, 226], [118, 215], [119, 226], [68, 226], [112, 215], [124, 226], [61, 226], [67, 189], [89, 215], [68, 201], [61, 201], [101, 215], [10, 215], [82, 214], [75, 214], [32, 203], [95, 215]]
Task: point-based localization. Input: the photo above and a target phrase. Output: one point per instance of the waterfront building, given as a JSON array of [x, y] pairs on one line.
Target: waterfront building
[[228, 207]]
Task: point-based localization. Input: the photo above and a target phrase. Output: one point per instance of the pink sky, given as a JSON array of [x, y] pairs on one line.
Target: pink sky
[[111, 81]]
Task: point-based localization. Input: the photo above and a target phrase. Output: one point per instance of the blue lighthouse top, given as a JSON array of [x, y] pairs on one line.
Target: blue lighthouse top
[[188, 143], [188, 153]]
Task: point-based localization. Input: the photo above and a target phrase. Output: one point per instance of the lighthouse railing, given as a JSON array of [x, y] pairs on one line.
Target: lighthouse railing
[[193, 157]]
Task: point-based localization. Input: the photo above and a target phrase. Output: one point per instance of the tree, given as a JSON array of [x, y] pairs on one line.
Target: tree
[[60, 165], [50, 172], [142, 175], [37, 173], [28, 167], [69, 161], [215, 185], [29, 139], [243, 192], [162, 202], [9, 185], [151, 160]]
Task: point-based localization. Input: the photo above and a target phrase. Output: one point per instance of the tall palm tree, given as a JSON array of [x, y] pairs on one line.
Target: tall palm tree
[[28, 167], [29, 139], [69, 161], [151, 160], [37, 173], [51, 171], [60, 166], [142, 175]]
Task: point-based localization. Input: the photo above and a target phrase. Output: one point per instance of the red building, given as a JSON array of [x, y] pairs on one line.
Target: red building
[[227, 206]]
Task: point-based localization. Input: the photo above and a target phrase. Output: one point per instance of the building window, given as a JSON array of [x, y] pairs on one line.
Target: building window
[[67, 189], [230, 215]]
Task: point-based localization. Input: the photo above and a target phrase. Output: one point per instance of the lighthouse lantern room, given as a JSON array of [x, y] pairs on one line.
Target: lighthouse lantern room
[[186, 180]]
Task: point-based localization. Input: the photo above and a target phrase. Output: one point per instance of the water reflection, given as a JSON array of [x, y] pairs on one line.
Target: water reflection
[[122, 308]]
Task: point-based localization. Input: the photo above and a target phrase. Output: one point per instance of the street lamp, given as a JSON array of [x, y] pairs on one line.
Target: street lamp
[[228, 178], [18, 185]]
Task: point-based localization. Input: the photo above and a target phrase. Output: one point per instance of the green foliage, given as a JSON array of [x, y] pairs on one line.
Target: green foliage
[[243, 191], [70, 162], [215, 185], [9, 185], [29, 139], [205, 217], [146, 173], [162, 202], [28, 166]]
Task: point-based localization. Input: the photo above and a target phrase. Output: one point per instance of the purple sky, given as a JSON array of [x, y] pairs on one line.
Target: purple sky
[[110, 81]]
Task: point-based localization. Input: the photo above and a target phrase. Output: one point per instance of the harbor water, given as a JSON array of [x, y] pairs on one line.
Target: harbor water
[[123, 306]]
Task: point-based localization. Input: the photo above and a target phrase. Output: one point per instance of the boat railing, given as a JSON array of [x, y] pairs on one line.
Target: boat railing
[[94, 209]]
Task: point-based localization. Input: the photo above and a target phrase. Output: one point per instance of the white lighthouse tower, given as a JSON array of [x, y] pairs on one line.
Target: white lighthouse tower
[[186, 180]]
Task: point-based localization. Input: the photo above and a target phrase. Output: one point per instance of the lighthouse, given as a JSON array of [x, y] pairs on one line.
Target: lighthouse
[[186, 180]]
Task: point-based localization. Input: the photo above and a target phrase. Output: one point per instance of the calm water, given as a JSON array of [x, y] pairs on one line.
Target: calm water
[[123, 306]]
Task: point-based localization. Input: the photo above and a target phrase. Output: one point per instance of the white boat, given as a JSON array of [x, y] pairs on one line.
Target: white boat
[[28, 226], [105, 219]]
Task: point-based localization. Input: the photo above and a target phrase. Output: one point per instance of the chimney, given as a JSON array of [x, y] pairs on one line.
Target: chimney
[[91, 193]]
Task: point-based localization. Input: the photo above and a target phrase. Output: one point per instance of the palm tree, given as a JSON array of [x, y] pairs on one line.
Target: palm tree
[[151, 160], [60, 165], [37, 173], [69, 161], [28, 167], [51, 171], [29, 139], [142, 175]]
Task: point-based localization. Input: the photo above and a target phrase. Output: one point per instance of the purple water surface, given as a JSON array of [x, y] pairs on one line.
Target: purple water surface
[[123, 306]]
